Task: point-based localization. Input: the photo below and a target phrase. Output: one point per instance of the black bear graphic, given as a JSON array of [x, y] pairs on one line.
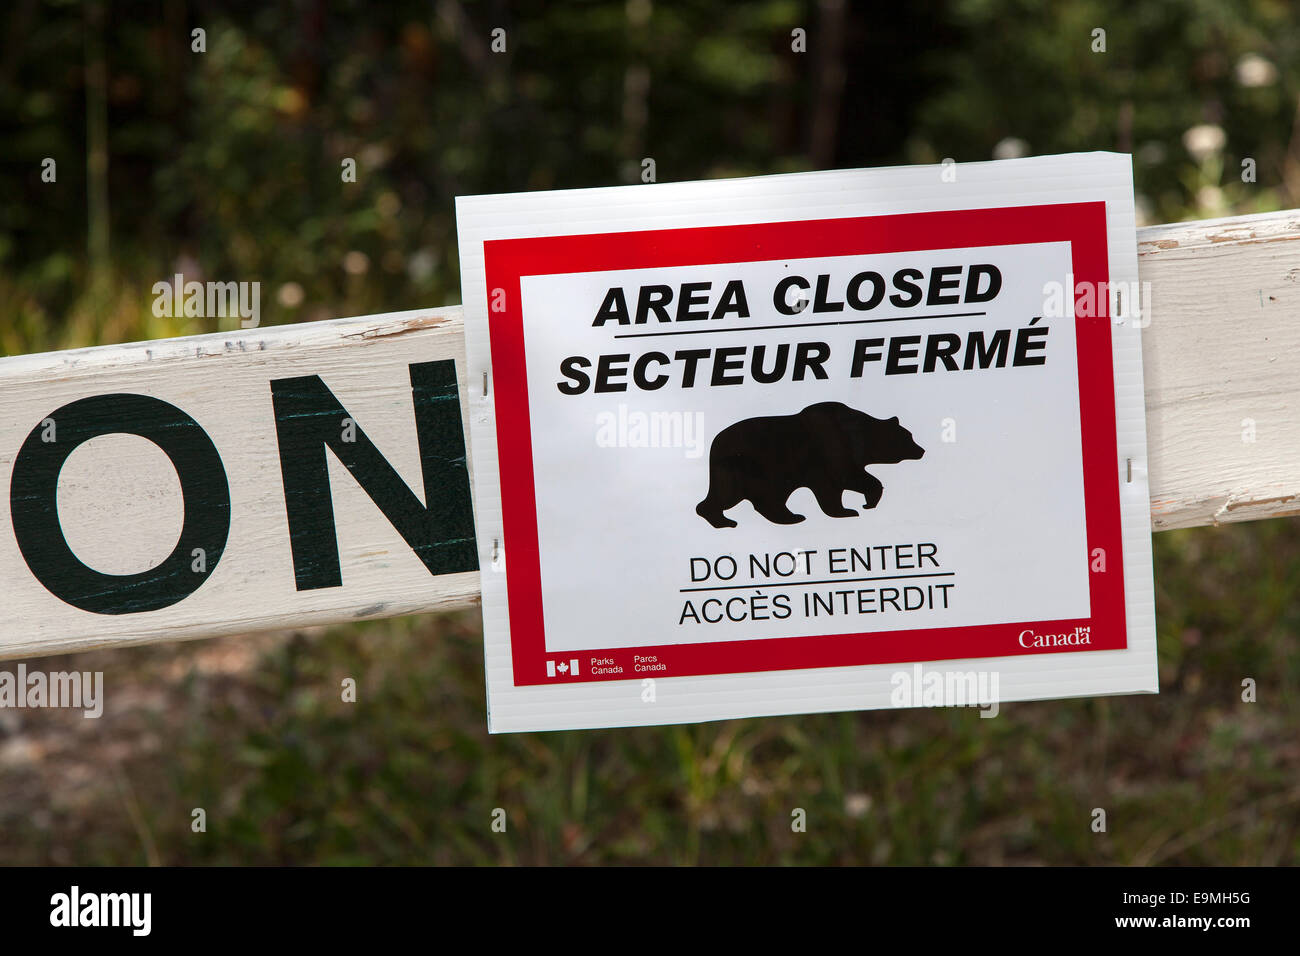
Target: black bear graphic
[[824, 448]]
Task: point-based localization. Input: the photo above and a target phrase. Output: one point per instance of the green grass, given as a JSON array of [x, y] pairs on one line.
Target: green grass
[[254, 731]]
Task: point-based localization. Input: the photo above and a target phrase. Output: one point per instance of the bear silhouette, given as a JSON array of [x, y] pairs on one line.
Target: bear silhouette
[[824, 448]]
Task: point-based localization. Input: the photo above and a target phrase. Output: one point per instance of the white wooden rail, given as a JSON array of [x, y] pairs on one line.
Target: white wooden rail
[[1220, 361], [1223, 423]]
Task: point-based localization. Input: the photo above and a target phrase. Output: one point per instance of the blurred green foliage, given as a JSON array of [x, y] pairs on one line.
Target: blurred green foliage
[[226, 164]]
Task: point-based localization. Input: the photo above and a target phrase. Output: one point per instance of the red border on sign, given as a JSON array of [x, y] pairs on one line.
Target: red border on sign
[[1083, 225]]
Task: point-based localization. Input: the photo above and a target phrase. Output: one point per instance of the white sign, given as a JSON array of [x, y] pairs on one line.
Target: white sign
[[758, 446]]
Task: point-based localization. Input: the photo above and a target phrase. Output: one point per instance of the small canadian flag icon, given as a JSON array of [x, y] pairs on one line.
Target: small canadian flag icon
[[567, 668]]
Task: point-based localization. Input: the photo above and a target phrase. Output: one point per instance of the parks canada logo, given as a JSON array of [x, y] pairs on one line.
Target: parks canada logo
[[1079, 637]]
